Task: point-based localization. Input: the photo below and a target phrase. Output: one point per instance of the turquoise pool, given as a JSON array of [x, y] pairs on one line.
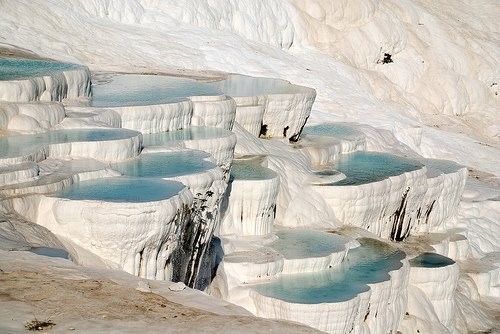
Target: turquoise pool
[[337, 130], [438, 166], [50, 252], [431, 260], [367, 264], [248, 170], [122, 189], [136, 90], [367, 167], [165, 164], [301, 244], [16, 69]]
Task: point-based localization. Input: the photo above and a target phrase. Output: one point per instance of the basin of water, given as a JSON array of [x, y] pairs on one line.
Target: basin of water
[[367, 167], [250, 170], [191, 133], [17, 69], [50, 252], [13, 146], [165, 164], [122, 189], [367, 264], [136, 89], [438, 166], [337, 130], [301, 244], [431, 260], [117, 90]]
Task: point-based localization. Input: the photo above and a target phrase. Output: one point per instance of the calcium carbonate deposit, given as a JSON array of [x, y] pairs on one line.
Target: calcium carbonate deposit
[[250, 166]]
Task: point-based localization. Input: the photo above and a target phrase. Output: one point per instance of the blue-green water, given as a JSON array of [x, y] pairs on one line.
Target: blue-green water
[[331, 130], [369, 263], [248, 170], [431, 260], [300, 244], [367, 167], [165, 164], [191, 133], [13, 146], [136, 89], [15, 69], [122, 189], [50, 252], [443, 166]]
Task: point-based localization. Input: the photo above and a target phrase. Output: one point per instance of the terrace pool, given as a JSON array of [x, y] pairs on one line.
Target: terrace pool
[[165, 164], [337, 130], [369, 263], [438, 166], [122, 189], [366, 167], [138, 89], [431, 260], [16, 69], [250, 170], [301, 243]]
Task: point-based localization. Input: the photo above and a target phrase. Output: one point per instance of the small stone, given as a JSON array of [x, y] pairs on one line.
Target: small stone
[[179, 286], [143, 286]]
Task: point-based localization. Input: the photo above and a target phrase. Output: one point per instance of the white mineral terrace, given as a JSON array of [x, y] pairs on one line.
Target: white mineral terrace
[[39, 80], [251, 199], [219, 183]]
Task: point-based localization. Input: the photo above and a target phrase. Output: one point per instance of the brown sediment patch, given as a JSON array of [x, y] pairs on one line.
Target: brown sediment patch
[[102, 303]]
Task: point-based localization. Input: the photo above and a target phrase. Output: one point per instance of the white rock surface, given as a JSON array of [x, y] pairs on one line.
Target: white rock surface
[[250, 118], [70, 84], [137, 238], [438, 284], [213, 111]]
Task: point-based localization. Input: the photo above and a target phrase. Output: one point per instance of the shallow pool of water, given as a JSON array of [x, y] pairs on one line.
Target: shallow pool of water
[[300, 244], [431, 260], [367, 167], [122, 189], [12, 146], [369, 263], [136, 89], [337, 130], [117, 90], [191, 133], [250, 170], [165, 164], [438, 166], [16, 69], [50, 252]]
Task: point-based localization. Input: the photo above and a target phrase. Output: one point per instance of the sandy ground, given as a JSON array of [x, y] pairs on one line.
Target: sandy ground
[[82, 300]]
